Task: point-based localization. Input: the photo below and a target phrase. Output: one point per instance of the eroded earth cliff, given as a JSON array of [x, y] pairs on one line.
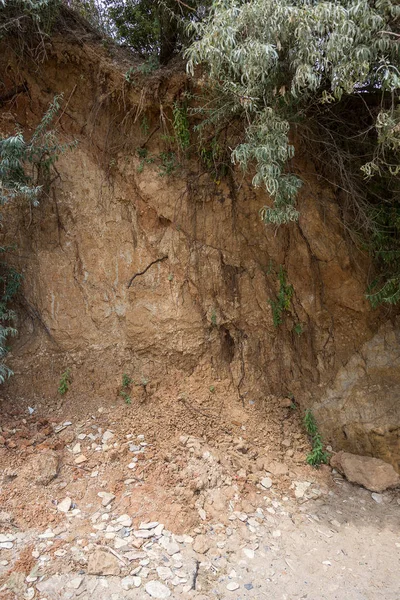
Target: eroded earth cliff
[[167, 274]]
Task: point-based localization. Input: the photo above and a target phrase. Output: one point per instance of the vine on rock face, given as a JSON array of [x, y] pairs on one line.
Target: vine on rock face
[[282, 303]]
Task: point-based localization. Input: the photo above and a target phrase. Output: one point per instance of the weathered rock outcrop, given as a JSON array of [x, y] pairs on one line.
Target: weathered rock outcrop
[[170, 277], [361, 409]]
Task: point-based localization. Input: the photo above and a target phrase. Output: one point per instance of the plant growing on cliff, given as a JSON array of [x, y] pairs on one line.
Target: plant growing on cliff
[[282, 303], [318, 455], [181, 125], [125, 388], [10, 281], [329, 70], [26, 165], [65, 381]]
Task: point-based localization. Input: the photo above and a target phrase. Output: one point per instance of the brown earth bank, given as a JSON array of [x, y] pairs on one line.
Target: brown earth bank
[[135, 266]]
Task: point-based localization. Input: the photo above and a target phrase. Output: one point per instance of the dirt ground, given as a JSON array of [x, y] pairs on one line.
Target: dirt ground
[[239, 512]]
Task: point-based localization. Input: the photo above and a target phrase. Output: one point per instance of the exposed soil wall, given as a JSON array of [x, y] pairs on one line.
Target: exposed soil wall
[[168, 278]]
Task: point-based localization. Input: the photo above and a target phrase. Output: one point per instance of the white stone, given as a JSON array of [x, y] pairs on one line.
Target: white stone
[[64, 505], [7, 537], [75, 583], [143, 534], [150, 525], [125, 520], [107, 436], [276, 533], [80, 459], [159, 529], [248, 552], [266, 483], [377, 497], [172, 548], [107, 498], [232, 586], [156, 589], [300, 488], [128, 583], [6, 545], [47, 535], [120, 543], [76, 449], [164, 573]]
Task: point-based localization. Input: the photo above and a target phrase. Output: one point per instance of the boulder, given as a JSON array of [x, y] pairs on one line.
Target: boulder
[[372, 473]]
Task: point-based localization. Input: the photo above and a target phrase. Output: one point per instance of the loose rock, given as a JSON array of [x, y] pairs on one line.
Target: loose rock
[[373, 473], [156, 589], [102, 562], [44, 468], [201, 544], [65, 505]]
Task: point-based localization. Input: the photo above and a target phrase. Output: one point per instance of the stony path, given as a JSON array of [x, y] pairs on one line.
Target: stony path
[[340, 545], [311, 542]]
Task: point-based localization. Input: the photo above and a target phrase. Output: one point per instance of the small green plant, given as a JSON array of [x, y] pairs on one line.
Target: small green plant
[[212, 389], [282, 303], [181, 125], [125, 396], [168, 163], [298, 328], [124, 392], [126, 380], [213, 318], [318, 455], [65, 381], [170, 277], [144, 126], [146, 68], [145, 159], [215, 158]]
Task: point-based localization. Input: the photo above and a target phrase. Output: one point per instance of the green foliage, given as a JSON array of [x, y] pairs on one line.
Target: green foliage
[[152, 27], [65, 381], [26, 165], [214, 157], [213, 318], [212, 389], [145, 159], [282, 303], [126, 380], [125, 396], [330, 69], [146, 68], [169, 163], [298, 329], [10, 281], [27, 20], [181, 125], [126, 385], [318, 455]]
